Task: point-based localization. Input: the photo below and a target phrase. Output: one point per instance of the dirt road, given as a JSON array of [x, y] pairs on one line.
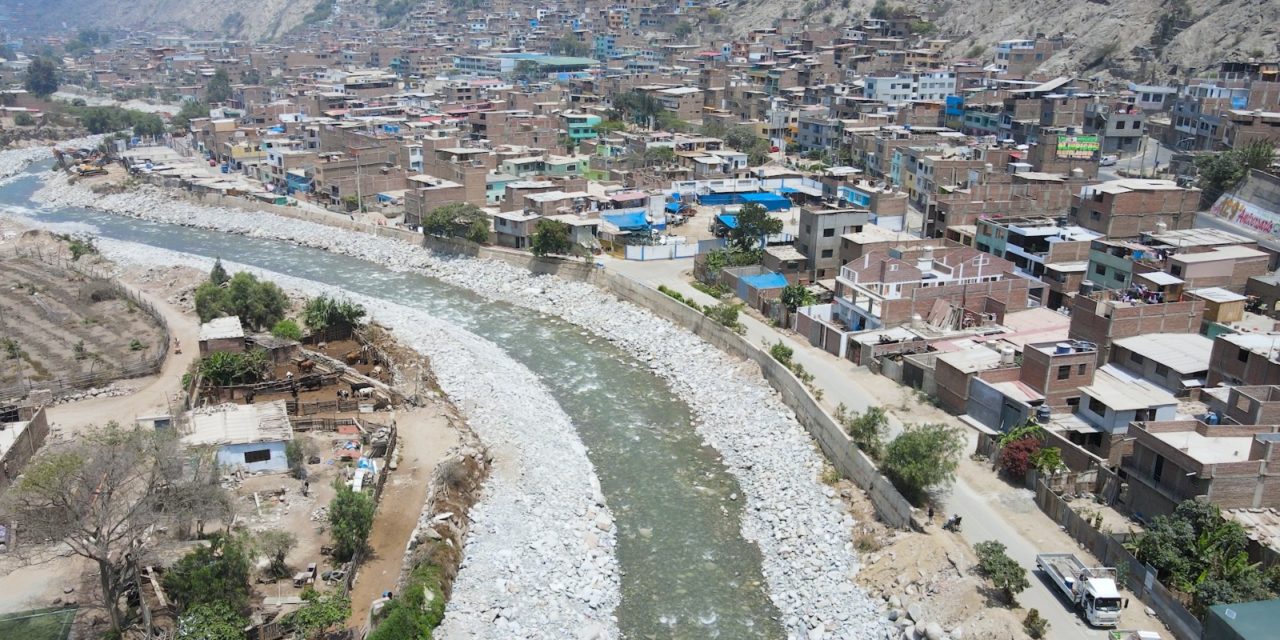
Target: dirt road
[[154, 395], [424, 436]]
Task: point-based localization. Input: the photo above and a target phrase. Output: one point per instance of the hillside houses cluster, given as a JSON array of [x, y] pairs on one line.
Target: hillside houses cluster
[[1019, 246]]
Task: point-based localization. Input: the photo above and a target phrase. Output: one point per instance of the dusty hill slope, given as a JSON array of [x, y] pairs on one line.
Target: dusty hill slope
[[248, 19], [1207, 32]]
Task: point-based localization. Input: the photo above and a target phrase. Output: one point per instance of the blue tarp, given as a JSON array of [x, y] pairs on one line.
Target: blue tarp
[[673, 207], [720, 199], [728, 219], [770, 201], [627, 221], [765, 281]]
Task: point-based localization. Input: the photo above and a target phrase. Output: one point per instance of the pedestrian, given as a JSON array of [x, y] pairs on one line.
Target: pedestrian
[[930, 513]]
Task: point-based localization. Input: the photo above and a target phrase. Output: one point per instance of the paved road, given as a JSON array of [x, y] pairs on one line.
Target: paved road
[[981, 521], [1145, 161]]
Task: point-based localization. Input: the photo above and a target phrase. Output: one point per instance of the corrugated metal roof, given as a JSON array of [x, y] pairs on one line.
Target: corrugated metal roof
[[1183, 352], [221, 328], [239, 424]]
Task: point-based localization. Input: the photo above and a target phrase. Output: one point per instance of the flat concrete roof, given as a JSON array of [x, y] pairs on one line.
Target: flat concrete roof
[[1123, 392], [971, 360], [222, 328], [1208, 449]]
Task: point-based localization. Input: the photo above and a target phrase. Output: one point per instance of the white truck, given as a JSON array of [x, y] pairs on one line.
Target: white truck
[[1091, 589]]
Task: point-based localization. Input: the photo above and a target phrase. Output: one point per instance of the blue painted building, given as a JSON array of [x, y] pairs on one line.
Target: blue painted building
[[247, 437]]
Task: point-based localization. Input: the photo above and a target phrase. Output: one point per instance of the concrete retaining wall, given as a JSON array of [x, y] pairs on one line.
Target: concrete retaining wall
[[850, 461]]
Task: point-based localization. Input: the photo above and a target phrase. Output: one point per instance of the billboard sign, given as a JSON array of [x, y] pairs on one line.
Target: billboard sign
[[1247, 214], [1077, 147]]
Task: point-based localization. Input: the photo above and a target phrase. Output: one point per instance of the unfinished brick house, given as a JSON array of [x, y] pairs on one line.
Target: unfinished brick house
[[1105, 316], [887, 289], [1129, 207], [1182, 459]]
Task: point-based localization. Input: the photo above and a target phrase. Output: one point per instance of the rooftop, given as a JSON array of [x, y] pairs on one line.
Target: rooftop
[[1217, 294], [1208, 449], [1123, 392], [223, 328], [239, 424], [1185, 353]]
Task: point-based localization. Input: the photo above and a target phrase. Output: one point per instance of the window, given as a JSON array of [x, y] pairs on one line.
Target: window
[[1242, 355], [1162, 370], [827, 253], [1074, 403], [260, 455], [1096, 406], [1080, 369], [1157, 469], [1119, 125], [1064, 372], [1137, 358], [828, 233], [1100, 269], [1175, 270], [1095, 215]]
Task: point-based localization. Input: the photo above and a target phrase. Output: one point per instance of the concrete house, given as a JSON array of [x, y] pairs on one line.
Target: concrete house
[[221, 334], [1176, 362], [247, 437]]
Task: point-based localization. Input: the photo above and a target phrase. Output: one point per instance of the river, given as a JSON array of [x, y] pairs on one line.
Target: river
[[687, 572]]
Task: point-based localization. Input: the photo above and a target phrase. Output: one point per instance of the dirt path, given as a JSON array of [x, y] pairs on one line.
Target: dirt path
[[424, 437], [154, 393]]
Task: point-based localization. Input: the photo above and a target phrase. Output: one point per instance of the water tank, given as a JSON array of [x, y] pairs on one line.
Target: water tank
[[1063, 347], [917, 322], [1042, 414], [1086, 287], [1077, 172], [1162, 226], [1212, 418], [1007, 356]]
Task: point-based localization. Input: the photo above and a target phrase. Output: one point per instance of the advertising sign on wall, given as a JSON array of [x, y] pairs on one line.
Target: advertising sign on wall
[[1077, 147], [1246, 214]]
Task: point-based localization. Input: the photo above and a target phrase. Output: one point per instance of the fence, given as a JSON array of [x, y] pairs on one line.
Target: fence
[[662, 251], [1109, 550], [148, 365], [383, 471]]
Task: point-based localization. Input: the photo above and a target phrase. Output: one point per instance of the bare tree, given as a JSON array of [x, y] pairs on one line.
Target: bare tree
[[102, 495]]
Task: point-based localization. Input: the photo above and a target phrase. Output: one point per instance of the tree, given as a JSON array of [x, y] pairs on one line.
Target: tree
[[550, 236], [191, 109], [148, 126], [570, 45], [1034, 624], [754, 225], [102, 494], [259, 304], [332, 317], [1004, 572], [24, 120], [527, 71], [350, 520], [744, 139], [276, 545], [296, 457], [923, 456], [211, 574], [216, 621], [287, 330], [457, 220], [1015, 457], [218, 274], [227, 368], [219, 88], [319, 614], [795, 296], [1222, 172], [659, 156], [866, 429], [1196, 551], [42, 77], [1047, 460], [682, 29]]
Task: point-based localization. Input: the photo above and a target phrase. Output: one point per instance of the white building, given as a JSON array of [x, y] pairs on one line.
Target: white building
[[907, 87]]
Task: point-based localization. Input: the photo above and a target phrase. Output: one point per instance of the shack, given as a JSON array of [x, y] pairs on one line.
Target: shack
[[248, 437], [221, 334]]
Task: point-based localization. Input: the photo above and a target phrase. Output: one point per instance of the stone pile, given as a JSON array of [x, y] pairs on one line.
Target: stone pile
[[803, 534]]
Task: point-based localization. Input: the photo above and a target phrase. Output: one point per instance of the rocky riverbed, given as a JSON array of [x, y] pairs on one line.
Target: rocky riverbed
[[14, 161], [539, 559], [804, 536]]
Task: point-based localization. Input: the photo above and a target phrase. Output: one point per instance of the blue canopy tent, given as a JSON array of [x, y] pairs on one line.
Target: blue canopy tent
[[673, 207], [628, 221], [729, 220], [770, 201]]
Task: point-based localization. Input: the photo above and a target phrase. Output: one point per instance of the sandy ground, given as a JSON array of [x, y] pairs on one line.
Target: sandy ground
[[424, 436]]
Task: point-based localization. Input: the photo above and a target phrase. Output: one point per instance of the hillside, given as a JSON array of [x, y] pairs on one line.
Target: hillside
[[247, 19], [1199, 33]]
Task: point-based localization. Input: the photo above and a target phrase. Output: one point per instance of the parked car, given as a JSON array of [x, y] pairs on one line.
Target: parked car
[[1109, 161]]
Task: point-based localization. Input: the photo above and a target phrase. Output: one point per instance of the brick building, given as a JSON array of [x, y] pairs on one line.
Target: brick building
[[1105, 316], [1128, 207], [1179, 460], [1244, 359]]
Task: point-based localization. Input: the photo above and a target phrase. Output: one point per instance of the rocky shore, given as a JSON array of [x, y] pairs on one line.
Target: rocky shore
[[803, 535], [539, 558]]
